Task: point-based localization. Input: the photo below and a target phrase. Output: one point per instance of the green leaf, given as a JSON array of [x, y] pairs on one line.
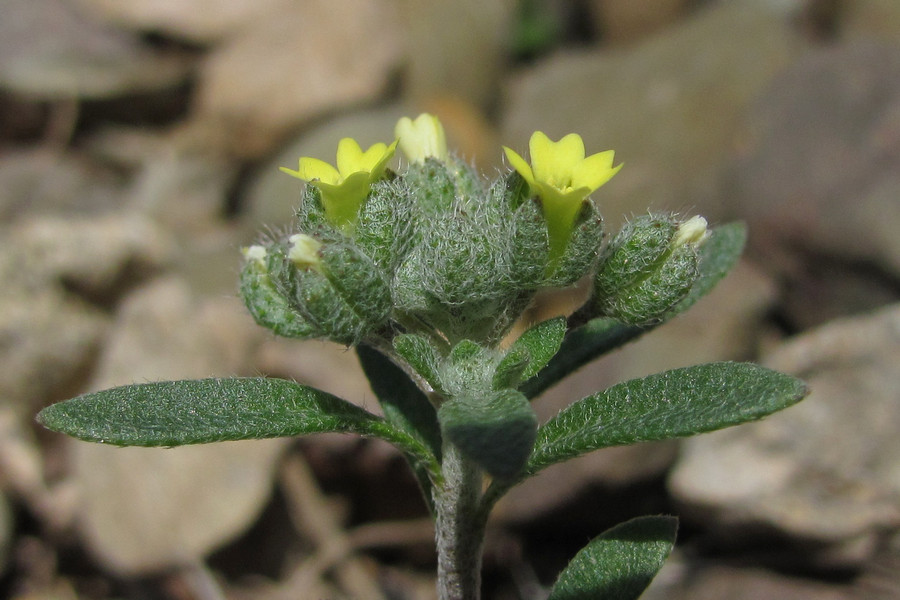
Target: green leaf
[[530, 353], [174, 413], [675, 403], [542, 342], [581, 346], [406, 408], [509, 370], [404, 405], [496, 432], [718, 255], [620, 563], [421, 355]]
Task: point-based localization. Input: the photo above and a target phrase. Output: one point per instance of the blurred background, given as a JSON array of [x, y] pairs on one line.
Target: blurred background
[[139, 146]]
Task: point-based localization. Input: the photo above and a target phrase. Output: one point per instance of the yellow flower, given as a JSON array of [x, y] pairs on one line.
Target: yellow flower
[[421, 138], [563, 178], [344, 189]]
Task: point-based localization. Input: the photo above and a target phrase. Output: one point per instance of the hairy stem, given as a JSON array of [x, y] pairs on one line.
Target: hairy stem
[[460, 528]]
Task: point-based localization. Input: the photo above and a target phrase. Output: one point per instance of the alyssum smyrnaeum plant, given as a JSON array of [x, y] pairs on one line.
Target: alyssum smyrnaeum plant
[[425, 272]]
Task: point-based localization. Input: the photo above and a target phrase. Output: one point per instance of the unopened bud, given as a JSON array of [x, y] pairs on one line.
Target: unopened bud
[[304, 251], [649, 267], [692, 231], [255, 254]]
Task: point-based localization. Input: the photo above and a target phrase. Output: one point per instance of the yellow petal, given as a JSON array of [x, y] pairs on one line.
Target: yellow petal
[[349, 157], [595, 170], [554, 162], [313, 168], [422, 138], [519, 164], [379, 162], [371, 157], [290, 172], [560, 210], [255, 254], [692, 231]]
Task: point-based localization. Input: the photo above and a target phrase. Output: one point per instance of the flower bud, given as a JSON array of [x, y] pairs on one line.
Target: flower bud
[[266, 304], [304, 251], [459, 278], [310, 289], [421, 138], [649, 267]]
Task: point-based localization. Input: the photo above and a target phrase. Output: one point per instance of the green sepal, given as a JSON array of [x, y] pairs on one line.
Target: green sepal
[[313, 296], [199, 411], [634, 252], [581, 251], [649, 300], [644, 272], [496, 432], [433, 185], [468, 369], [516, 191], [318, 300], [311, 217], [465, 351], [386, 226], [452, 279], [718, 255], [528, 237], [358, 282], [620, 563], [675, 403]]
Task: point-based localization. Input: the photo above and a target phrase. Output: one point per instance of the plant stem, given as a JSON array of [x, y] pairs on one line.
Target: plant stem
[[460, 526]]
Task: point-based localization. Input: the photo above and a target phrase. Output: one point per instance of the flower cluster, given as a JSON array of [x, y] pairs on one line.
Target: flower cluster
[[439, 251]]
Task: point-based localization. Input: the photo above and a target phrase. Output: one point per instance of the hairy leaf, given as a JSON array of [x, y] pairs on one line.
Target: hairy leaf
[[675, 403], [620, 563], [495, 432], [404, 405], [542, 342], [421, 355], [175, 413]]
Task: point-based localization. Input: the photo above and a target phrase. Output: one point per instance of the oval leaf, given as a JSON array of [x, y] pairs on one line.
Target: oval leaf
[[421, 355], [174, 413], [542, 342], [497, 432], [675, 403], [620, 563], [408, 410]]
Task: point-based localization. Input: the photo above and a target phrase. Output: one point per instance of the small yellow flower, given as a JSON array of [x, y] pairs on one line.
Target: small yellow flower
[[421, 138], [563, 178], [344, 189]]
